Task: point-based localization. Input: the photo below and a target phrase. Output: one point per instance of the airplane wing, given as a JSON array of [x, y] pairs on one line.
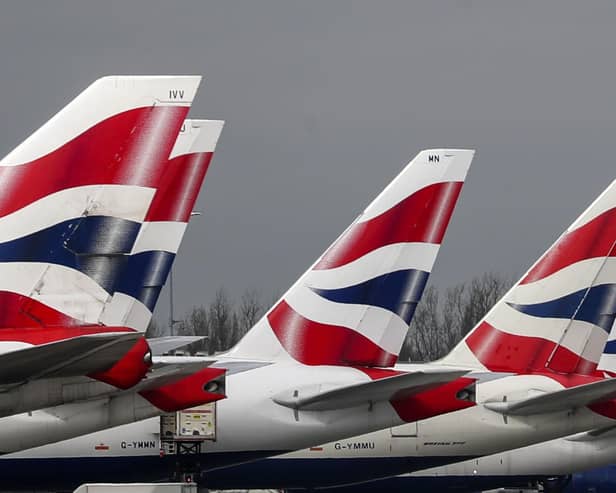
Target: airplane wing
[[162, 345], [560, 400], [402, 385], [76, 356]]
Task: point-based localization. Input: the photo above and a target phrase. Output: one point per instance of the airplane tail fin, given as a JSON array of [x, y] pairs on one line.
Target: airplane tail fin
[[557, 317], [147, 268], [64, 238], [354, 305]]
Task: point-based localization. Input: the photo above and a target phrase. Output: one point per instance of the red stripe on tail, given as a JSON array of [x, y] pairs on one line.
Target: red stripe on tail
[[180, 186], [421, 217], [594, 239], [22, 311], [130, 148], [500, 351], [314, 343]]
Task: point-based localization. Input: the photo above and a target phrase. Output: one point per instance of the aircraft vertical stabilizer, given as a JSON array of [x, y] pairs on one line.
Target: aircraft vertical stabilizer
[[557, 317], [354, 305]]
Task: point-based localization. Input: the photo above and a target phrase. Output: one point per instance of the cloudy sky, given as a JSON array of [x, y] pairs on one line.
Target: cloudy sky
[[326, 101]]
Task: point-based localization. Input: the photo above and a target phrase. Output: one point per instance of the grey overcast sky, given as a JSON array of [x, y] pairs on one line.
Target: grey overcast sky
[[325, 101]]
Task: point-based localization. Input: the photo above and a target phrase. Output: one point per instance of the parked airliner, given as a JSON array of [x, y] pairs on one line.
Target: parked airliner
[[85, 201], [310, 369], [534, 358]]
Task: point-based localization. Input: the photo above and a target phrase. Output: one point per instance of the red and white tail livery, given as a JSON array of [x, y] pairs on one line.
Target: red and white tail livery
[[76, 193], [558, 316], [313, 359], [354, 305], [137, 287], [535, 378], [82, 198], [309, 382]]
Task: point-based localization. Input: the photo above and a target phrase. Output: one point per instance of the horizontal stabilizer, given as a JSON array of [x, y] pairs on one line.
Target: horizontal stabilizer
[[76, 356], [162, 375], [608, 432], [560, 400], [162, 345], [315, 398]]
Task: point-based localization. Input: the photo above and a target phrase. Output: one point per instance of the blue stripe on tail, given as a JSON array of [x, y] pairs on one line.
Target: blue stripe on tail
[[99, 247], [144, 275], [399, 292], [94, 245], [610, 347], [598, 306]]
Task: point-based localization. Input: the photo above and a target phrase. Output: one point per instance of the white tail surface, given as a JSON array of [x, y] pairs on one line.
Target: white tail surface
[[102, 158], [147, 268], [354, 304], [557, 317]]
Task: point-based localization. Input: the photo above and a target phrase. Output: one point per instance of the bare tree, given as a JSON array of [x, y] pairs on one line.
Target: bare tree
[[235, 333], [422, 339], [220, 322], [438, 323], [485, 292], [249, 312], [437, 327], [196, 324], [223, 325]]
